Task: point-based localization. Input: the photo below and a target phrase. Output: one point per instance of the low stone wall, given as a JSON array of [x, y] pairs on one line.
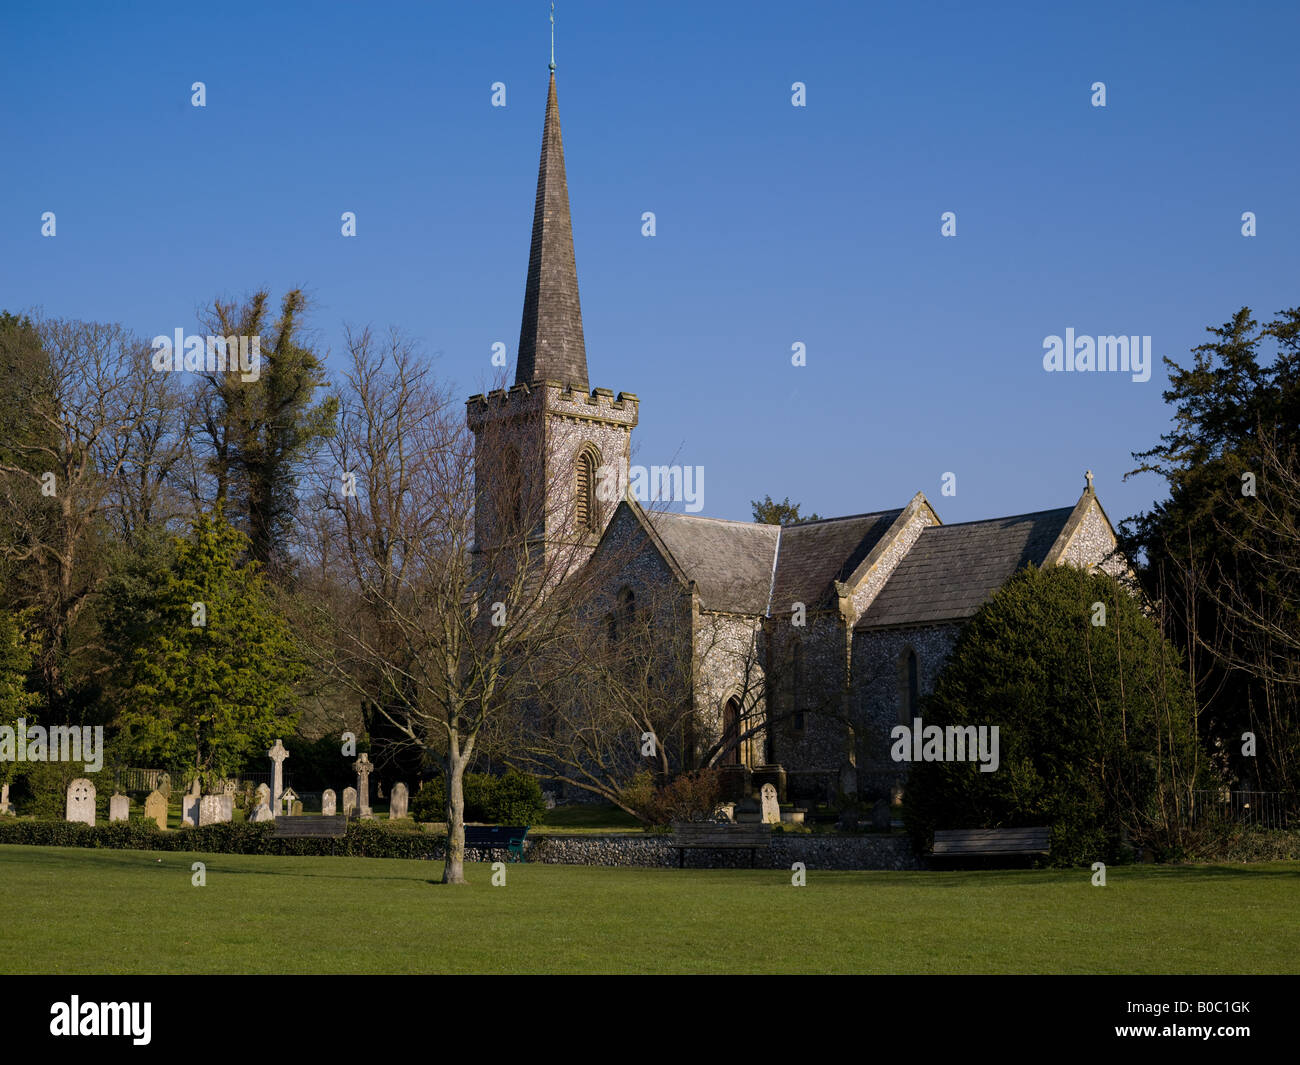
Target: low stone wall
[[651, 850]]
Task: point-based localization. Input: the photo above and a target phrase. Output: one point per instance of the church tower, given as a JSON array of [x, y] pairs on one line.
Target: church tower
[[550, 457]]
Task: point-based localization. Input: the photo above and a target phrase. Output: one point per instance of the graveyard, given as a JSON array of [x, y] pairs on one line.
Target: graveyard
[[71, 911]]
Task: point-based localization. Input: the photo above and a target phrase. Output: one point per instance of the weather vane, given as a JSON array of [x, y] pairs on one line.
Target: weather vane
[[552, 37]]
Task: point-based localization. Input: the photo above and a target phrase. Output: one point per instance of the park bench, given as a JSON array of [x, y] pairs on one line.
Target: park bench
[[310, 825], [984, 842], [486, 837], [698, 835]]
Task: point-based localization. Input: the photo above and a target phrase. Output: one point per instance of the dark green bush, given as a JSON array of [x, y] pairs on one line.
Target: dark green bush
[[513, 799], [364, 839]]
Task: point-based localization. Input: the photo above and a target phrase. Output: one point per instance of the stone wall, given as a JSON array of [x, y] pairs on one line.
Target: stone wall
[[876, 697], [657, 851]]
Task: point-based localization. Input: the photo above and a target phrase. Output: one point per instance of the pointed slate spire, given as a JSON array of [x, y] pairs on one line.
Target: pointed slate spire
[[551, 346]]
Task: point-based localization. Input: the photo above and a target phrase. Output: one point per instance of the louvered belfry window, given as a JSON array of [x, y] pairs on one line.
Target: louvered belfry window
[[585, 490]]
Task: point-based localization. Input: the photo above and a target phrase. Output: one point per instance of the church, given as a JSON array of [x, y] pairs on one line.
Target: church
[[807, 643]]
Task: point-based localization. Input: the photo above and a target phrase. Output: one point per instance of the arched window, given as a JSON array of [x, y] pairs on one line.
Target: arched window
[[584, 489], [908, 691], [797, 697], [620, 621], [731, 731]]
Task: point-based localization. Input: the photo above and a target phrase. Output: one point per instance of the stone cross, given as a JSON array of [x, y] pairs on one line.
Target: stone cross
[[771, 808], [155, 808], [289, 798], [363, 766], [119, 808], [328, 801], [277, 754], [81, 801], [397, 802]]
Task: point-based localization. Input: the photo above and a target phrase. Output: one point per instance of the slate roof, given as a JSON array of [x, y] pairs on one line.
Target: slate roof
[[818, 552], [953, 569], [551, 345], [730, 561]]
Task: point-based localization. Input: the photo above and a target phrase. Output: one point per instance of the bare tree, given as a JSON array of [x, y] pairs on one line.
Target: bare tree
[[93, 408], [443, 628]]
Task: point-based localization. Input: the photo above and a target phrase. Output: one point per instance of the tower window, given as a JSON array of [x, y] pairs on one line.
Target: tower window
[[584, 500]]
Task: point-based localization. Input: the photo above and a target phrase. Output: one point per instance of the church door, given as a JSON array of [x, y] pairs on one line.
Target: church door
[[730, 730]]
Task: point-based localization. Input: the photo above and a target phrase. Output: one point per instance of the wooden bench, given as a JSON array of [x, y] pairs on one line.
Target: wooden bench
[[310, 825], [982, 842], [700, 835], [511, 837]]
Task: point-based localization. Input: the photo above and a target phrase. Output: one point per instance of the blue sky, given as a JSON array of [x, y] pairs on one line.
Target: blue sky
[[775, 224]]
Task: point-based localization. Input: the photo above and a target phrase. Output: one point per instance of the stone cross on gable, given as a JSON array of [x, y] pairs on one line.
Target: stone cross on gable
[[363, 766], [277, 755]]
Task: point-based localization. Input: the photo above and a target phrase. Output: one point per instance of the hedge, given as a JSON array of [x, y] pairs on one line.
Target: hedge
[[364, 839]]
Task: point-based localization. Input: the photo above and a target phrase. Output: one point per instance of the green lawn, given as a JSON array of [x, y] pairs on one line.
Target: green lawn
[[68, 910]]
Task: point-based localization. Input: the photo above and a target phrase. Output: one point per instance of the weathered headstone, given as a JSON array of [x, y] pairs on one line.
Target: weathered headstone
[[363, 766], [262, 813], [5, 808], [771, 808], [190, 810], [216, 809], [328, 801], [349, 801], [397, 802], [165, 785], [287, 799], [277, 754], [81, 801], [194, 787], [155, 808], [379, 790], [295, 809], [119, 808], [228, 787], [262, 796]]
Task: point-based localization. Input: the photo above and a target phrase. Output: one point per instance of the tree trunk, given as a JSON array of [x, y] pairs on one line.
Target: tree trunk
[[453, 871]]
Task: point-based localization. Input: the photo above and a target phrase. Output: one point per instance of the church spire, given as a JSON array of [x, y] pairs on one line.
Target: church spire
[[551, 346]]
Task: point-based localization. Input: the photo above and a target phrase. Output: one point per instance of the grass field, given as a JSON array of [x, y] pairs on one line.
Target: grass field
[[67, 910]]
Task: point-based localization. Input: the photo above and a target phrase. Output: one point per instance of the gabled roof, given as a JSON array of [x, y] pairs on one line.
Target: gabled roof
[[551, 345], [953, 569], [816, 553], [731, 562]]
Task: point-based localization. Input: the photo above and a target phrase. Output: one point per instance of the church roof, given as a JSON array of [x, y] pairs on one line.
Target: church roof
[[551, 345], [815, 553], [952, 570], [730, 561]]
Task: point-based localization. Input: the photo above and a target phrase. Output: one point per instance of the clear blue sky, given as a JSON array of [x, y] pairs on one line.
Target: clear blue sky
[[775, 224]]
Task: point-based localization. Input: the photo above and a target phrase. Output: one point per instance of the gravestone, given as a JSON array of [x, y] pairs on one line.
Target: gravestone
[[327, 802], [194, 788], [190, 810], [262, 813], [287, 800], [277, 754], [295, 809], [165, 785], [216, 809], [229, 788], [349, 801], [155, 808], [397, 802], [771, 808], [5, 808], [119, 808], [81, 801], [262, 796], [363, 766]]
